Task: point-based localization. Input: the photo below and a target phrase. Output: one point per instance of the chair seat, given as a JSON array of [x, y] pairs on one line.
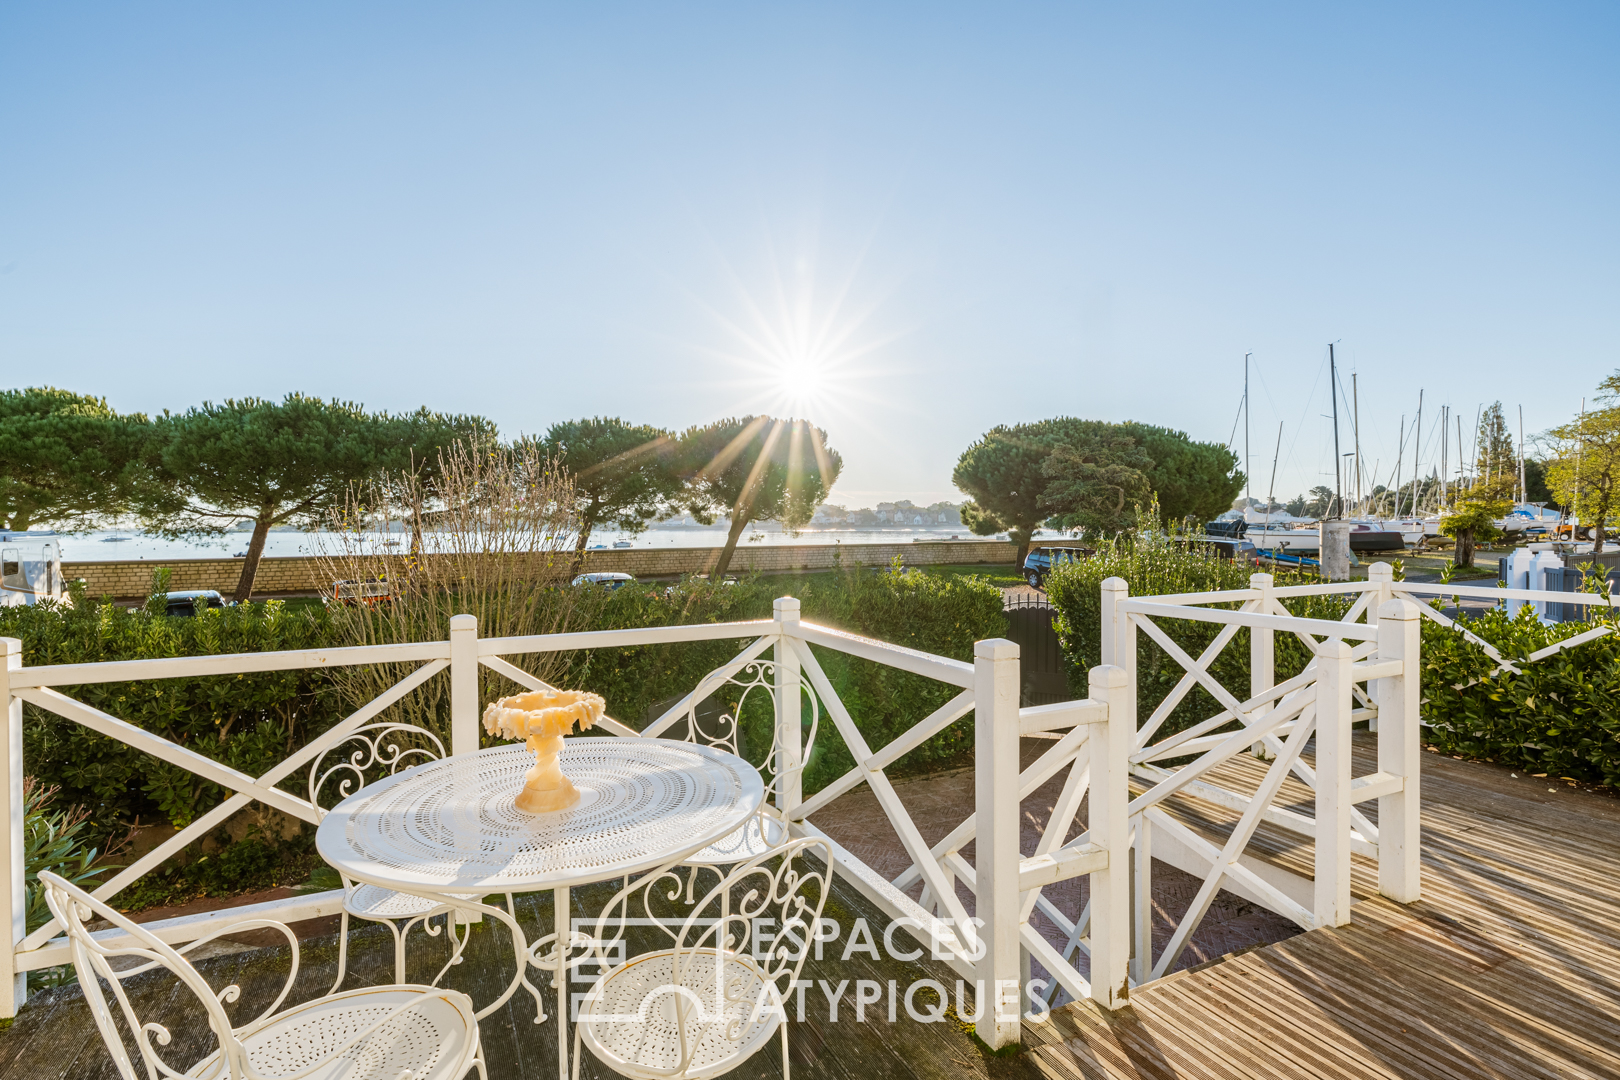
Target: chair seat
[[435, 1041], [762, 832], [629, 1019], [375, 902]]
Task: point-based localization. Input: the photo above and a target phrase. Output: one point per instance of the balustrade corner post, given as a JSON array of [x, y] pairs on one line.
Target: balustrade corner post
[[789, 733], [1119, 638], [1383, 576], [1109, 802], [995, 782], [1333, 707], [1400, 752], [14, 901], [463, 684], [1262, 656]]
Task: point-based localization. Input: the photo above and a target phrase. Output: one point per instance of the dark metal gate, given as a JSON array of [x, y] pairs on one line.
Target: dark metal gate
[[1029, 623]]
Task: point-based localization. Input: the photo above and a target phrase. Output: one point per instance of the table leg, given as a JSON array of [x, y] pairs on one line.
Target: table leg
[[560, 975], [520, 947]]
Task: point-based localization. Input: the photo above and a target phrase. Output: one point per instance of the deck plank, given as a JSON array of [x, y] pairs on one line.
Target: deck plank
[[1508, 968]]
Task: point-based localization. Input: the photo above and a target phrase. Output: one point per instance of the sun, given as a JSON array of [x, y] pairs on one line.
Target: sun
[[802, 380]]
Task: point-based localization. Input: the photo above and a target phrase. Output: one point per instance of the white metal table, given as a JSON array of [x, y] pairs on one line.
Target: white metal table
[[448, 829]]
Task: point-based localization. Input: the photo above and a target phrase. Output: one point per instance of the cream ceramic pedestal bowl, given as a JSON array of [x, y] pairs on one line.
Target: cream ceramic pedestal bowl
[[541, 718]]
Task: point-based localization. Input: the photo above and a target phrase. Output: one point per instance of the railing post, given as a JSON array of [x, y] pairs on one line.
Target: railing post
[[463, 684], [1332, 892], [995, 781], [13, 902], [1109, 801], [1119, 640], [1382, 575], [1400, 752], [790, 752], [1262, 656]]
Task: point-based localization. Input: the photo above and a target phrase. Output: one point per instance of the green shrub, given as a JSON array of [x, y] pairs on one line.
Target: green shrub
[[1153, 565], [1561, 716], [249, 721], [938, 613]]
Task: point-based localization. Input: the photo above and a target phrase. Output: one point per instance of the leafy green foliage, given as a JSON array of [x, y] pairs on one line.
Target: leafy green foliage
[[1154, 565], [1473, 519], [1094, 479], [1584, 472], [248, 721], [1191, 479], [1560, 716], [277, 462], [943, 614], [64, 458], [757, 468], [1003, 474], [624, 474]]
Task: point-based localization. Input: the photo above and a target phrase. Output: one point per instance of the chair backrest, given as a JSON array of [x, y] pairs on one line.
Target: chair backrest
[[368, 754], [724, 728], [93, 960], [782, 886]]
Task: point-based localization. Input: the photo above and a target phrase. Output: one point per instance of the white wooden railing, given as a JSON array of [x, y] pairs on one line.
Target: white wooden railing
[[1007, 885]]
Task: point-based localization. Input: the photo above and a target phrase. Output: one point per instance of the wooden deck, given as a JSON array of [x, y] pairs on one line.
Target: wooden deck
[[1509, 967]]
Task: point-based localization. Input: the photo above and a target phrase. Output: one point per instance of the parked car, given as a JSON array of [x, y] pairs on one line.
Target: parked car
[[1039, 562], [610, 580], [192, 601], [370, 592]]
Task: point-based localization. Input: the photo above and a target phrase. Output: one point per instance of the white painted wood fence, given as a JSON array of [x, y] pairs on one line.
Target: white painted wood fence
[[1005, 892]]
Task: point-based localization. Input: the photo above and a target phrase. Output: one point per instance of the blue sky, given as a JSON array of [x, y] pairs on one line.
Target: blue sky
[[908, 222]]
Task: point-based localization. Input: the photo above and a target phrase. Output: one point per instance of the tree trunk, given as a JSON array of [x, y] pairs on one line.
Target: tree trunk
[[1021, 538], [250, 568], [739, 522], [579, 548], [1465, 547]]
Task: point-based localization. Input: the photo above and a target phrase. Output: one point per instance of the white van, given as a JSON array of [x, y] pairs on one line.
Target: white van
[[30, 568]]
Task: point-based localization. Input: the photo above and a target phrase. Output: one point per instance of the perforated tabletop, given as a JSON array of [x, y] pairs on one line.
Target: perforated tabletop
[[450, 825]]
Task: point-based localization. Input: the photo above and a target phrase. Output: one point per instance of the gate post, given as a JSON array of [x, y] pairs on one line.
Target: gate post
[[995, 781], [1262, 656], [1400, 752], [1383, 575], [1110, 828], [463, 684], [1333, 685], [14, 900], [1119, 642], [790, 777]]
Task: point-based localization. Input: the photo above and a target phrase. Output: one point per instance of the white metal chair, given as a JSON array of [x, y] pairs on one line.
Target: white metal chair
[[766, 829], [378, 751], [706, 1004], [378, 1033]]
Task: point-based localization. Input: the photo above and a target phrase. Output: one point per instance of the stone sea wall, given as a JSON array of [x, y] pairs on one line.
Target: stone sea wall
[[305, 574]]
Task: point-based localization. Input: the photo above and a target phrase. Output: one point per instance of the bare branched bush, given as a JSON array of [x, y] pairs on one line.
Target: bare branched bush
[[488, 532]]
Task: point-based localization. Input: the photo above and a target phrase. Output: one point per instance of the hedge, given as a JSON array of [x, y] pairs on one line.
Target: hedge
[[252, 721], [1153, 565], [1560, 716]]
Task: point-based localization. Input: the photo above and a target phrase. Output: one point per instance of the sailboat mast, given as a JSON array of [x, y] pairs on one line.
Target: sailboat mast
[[1271, 492], [1248, 473], [1400, 458], [1355, 404], [1333, 379], [1444, 425], [1417, 452], [1524, 488], [1459, 456]]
